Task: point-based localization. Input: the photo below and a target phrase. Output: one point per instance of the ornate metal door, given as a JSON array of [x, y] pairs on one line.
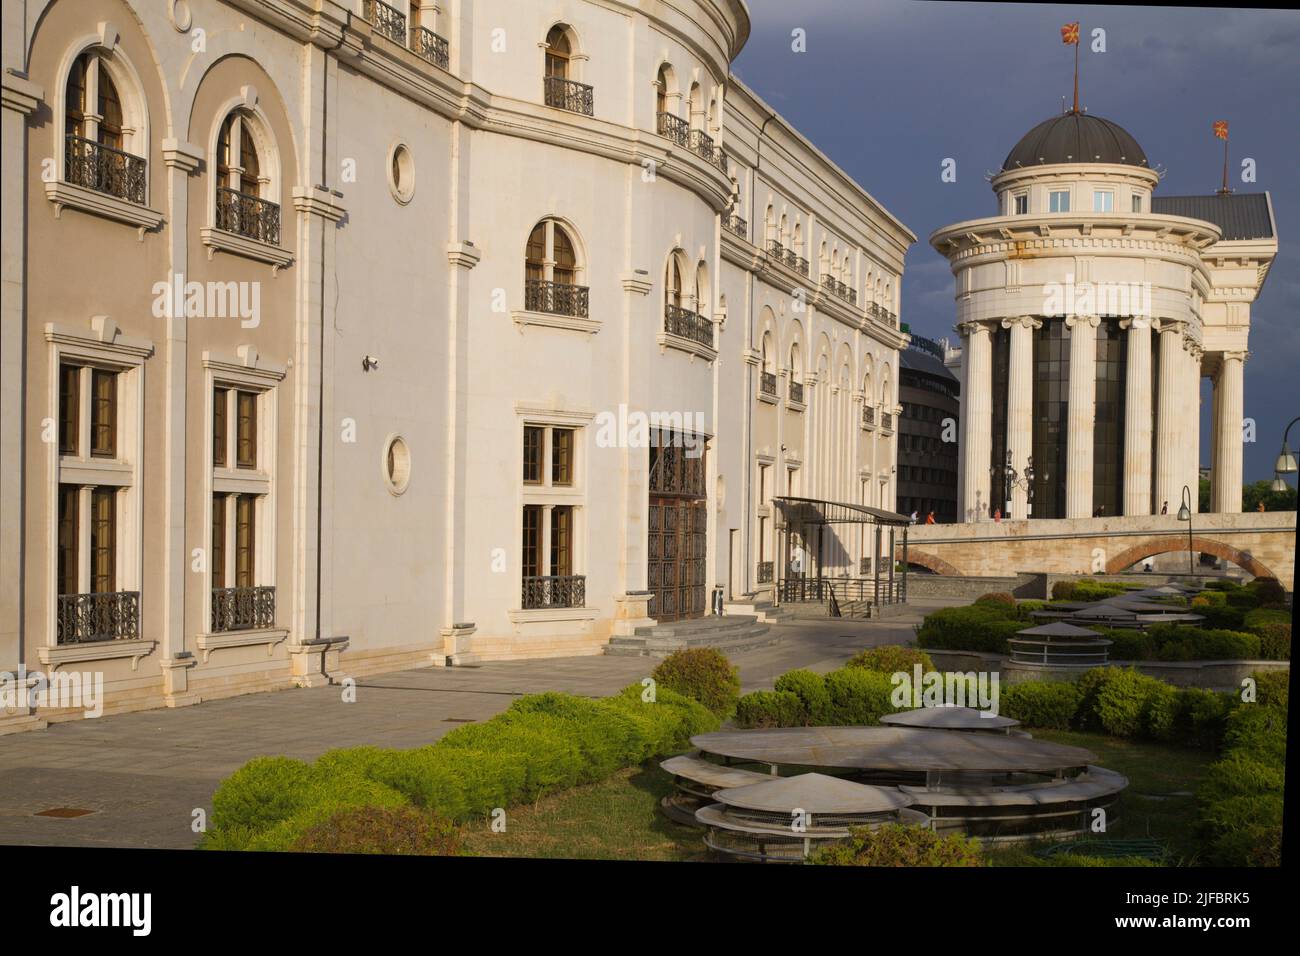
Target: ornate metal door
[[678, 531]]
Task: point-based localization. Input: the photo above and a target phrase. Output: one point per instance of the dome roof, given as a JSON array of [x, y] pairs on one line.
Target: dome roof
[[1075, 138]]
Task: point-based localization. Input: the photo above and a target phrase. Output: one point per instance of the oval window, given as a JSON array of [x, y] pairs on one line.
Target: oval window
[[397, 465], [401, 173]]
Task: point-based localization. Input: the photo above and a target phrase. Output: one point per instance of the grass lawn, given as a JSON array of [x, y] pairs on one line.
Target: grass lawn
[[616, 819], [619, 818]]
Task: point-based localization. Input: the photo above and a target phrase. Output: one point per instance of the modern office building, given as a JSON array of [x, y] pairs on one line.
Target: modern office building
[[927, 432], [341, 336], [1089, 310]]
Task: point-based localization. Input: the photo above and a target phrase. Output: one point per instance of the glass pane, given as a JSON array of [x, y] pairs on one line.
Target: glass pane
[[220, 438], [245, 540], [69, 538], [246, 430], [69, 408], [103, 540], [103, 414], [218, 541], [562, 456], [532, 454]]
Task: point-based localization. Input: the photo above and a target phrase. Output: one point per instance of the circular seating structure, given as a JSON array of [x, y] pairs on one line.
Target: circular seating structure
[[783, 819], [992, 785], [1059, 644]]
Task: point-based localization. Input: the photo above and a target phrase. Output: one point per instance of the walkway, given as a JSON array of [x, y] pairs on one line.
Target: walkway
[[144, 774]]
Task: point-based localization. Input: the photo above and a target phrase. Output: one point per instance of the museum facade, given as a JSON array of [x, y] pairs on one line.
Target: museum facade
[[343, 336], [1089, 311]]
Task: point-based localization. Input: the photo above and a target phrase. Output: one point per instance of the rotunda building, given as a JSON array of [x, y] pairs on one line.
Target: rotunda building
[[1089, 310]]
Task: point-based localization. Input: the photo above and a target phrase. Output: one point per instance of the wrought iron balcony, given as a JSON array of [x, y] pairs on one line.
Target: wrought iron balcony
[[891, 317], [249, 216], [242, 609], [387, 21], [105, 169], [886, 421], [568, 95], [796, 391], [796, 262], [868, 416], [704, 146], [556, 298], [765, 572], [555, 591], [840, 289], [776, 250], [675, 128], [427, 45], [738, 226], [687, 324], [767, 383], [864, 566], [103, 616], [875, 311]]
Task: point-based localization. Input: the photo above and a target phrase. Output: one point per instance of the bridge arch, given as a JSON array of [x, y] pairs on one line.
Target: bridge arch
[[929, 561], [1164, 545]]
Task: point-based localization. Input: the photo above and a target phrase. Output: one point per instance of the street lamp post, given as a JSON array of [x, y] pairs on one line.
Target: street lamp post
[[1286, 464], [1185, 514]]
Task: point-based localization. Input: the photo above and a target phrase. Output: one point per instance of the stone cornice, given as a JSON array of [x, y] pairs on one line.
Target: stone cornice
[[20, 94]]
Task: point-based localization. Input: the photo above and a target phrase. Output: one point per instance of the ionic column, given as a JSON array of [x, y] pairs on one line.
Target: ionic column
[[1227, 480], [978, 426], [1020, 405], [1168, 487], [1082, 414], [1193, 386], [1137, 418]]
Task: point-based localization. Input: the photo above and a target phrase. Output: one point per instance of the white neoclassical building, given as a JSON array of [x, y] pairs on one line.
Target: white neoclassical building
[[1089, 310], [342, 335]]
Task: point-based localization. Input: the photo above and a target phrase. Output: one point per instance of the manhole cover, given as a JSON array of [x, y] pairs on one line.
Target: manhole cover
[[64, 812]]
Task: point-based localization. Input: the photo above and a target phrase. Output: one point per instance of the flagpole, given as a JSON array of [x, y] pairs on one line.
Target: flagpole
[[1225, 165], [1076, 75]]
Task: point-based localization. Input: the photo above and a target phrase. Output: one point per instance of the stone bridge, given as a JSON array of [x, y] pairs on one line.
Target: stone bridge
[[1262, 544]]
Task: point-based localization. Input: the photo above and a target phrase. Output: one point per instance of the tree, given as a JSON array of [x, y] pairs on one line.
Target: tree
[[1253, 494]]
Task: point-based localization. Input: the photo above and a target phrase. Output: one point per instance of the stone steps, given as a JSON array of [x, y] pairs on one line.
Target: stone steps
[[731, 633]]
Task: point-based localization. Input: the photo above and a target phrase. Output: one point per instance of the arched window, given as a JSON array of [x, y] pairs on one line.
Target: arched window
[[103, 146], [673, 282], [552, 272], [243, 184], [559, 51], [796, 242], [662, 83]]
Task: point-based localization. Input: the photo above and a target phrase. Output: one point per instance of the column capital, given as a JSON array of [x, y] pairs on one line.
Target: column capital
[[1169, 325], [1026, 321], [1138, 322], [181, 155], [1091, 320], [1236, 355], [972, 326]]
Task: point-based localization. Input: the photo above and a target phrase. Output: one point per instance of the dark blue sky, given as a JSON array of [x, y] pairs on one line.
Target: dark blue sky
[[889, 88]]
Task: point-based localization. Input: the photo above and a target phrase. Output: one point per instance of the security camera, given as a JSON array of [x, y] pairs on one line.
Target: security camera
[[369, 362]]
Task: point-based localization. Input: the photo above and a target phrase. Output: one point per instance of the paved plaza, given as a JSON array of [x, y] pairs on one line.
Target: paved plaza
[[144, 774]]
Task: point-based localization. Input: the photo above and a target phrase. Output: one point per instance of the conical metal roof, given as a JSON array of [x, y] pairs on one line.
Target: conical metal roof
[[813, 793]]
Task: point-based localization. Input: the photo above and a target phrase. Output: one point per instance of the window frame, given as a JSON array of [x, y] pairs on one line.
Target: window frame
[[1052, 200]]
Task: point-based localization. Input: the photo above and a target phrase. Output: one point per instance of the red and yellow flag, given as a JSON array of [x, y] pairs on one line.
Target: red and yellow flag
[[1070, 33], [1221, 129]]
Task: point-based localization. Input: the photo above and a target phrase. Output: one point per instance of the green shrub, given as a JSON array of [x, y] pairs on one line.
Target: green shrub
[[1271, 687], [1211, 598], [1063, 591], [1086, 589], [1243, 598], [1223, 584], [858, 696], [899, 845], [891, 659], [1219, 616], [262, 792], [702, 674], [810, 688], [1176, 642], [1001, 598], [978, 627], [1128, 644], [1041, 703], [1268, 591], [1090, 685], [398, 831], [765, 708], [1025, 609], [1201, 716], [1274, 641], [1123, 701]]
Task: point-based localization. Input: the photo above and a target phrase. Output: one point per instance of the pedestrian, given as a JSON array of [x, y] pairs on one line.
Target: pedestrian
[[914, 516], [796, 561], [997, 516], [929, 519], [1261, 507], [1164, 508]]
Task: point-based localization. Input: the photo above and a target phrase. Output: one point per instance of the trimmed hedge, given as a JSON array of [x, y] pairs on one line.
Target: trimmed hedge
[[1041, 703], [702, 674], [542, 743], [997, 597], [814, 698], [765, 708], [1086, 589], [896, 844], [850, 696], [1240, 800], [977, 627], [891, 659]]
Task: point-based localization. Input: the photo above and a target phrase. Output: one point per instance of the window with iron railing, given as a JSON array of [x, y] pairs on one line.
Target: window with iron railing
[[242, 608], [688, 325], [868, 416], [767, 383], [103, 616], [105, 169], [556, 298], [95, 128], [386, 21], [428, 46], [674, 128], [249, 216], [796, 391], [738, 226], [554, 591], [568, 95]]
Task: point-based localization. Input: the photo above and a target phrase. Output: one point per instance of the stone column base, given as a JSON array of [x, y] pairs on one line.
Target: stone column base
[[176, 680], [631, 610], [455, 646], [314, 663]]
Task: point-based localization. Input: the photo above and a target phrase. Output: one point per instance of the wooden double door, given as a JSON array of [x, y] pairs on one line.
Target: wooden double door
[[678, 551]]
